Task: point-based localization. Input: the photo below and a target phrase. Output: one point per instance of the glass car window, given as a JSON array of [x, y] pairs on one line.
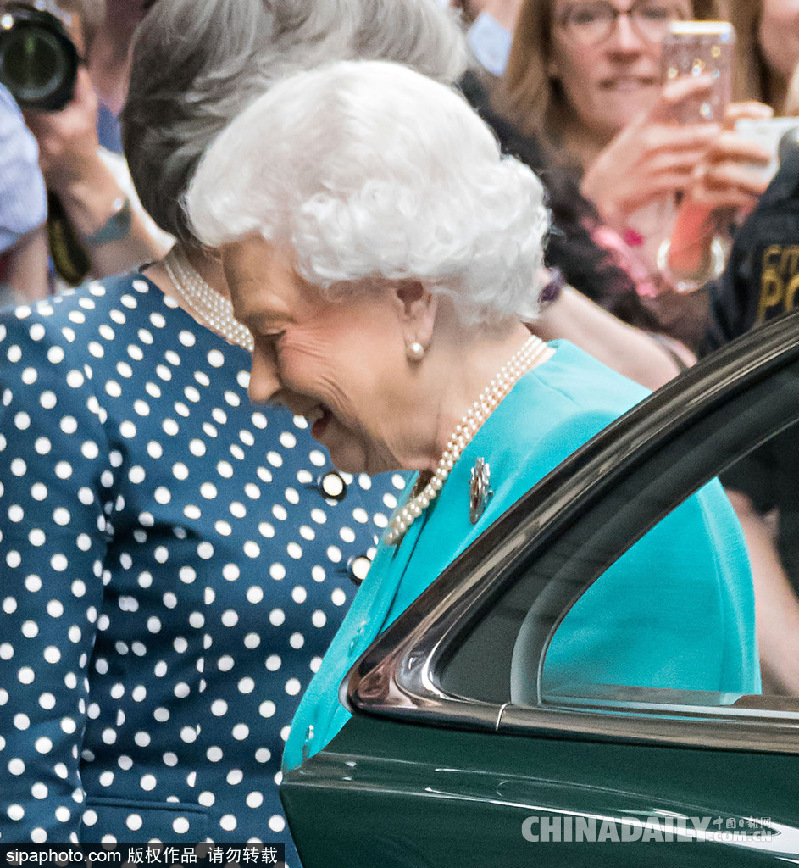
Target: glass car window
[[645, 601]]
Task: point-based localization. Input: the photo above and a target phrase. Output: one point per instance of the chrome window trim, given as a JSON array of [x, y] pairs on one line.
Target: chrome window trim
[[395, 678]]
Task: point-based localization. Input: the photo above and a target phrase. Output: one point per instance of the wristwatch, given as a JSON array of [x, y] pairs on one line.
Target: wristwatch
[[116, 228]]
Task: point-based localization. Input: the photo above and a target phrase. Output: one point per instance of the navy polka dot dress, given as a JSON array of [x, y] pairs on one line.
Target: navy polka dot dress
[[171, 574]]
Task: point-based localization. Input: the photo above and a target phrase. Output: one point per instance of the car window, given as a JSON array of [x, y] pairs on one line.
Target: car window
[[649, 601]]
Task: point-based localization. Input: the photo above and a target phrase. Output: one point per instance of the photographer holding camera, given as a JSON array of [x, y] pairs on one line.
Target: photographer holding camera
[[96, 226]]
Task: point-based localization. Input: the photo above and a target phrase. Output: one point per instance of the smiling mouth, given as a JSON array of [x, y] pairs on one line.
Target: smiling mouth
[[318, 418], [628, 84]]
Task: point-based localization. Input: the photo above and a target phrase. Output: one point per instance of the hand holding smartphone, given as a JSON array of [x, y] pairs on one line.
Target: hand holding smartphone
[[635, 179]]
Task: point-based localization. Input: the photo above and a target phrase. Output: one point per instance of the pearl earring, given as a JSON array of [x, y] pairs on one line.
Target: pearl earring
[[415, 351]]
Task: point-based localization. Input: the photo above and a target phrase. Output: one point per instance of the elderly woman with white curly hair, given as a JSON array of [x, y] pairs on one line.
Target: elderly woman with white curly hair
[[385, 257]]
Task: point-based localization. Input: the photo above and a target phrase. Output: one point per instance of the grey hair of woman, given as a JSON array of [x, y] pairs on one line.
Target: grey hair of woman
[[198, 63]]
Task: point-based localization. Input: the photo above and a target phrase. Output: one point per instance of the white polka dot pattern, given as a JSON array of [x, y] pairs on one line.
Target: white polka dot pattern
[[170, 574]]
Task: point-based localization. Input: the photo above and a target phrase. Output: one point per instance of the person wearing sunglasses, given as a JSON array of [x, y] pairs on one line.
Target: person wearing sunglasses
[[584, 78]]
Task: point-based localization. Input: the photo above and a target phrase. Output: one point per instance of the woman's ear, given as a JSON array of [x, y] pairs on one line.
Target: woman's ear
[[416, 309]]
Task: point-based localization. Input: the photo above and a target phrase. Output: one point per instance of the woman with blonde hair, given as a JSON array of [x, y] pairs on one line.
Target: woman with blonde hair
[[585, 78], [532, 93]]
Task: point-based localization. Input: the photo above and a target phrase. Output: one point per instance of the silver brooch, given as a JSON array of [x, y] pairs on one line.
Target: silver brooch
[[479, 490]]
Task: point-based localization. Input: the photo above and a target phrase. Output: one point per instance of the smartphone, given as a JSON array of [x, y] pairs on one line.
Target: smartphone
[[700, 48]]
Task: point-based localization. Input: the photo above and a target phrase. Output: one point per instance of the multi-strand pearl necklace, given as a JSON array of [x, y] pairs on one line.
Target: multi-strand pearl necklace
[[483, 407], [209, 307]]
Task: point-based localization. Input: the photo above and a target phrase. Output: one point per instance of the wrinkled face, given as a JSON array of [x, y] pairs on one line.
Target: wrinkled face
[[339, 363], [778, 35], [609, 81]]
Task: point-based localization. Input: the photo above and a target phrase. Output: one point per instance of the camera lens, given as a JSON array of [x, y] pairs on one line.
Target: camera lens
[[38, 62], [32, 63]]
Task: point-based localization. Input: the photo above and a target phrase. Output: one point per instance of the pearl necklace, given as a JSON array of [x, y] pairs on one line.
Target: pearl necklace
[[530, 353], [209, 307]]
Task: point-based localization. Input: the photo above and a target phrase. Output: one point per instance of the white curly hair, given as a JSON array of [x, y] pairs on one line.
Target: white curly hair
[[366, 169]]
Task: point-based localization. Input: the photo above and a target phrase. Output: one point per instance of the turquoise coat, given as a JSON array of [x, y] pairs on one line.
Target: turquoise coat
[[676, 611]]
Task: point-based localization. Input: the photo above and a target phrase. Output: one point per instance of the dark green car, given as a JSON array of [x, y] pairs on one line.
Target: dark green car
[[451, 760]]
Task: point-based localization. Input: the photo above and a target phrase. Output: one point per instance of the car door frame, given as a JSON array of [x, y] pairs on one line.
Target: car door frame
[[397, 677]]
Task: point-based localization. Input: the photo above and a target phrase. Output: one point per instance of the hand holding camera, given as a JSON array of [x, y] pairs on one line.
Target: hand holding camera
[[68, 144], [41, 65], [94, 223]]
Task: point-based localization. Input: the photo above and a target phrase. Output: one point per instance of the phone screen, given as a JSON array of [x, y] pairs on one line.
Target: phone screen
[[700, 48]]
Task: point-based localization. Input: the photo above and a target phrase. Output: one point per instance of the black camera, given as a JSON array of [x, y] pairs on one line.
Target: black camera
[[38, 61]]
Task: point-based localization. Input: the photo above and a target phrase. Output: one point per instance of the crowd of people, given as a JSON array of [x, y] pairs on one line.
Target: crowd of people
[[279, 274]]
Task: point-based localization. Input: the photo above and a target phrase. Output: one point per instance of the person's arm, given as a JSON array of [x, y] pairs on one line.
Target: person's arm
[[776, 604], [626, 349], [26, 270], [725, 183], [115, 231], [53, 455]]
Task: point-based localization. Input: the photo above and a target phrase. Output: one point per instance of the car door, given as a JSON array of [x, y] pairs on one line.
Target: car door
[[458, 754]]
